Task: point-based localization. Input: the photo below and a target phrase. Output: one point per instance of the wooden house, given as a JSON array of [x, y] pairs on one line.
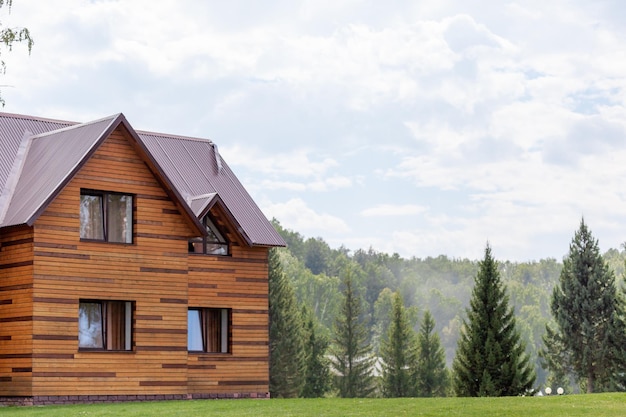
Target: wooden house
[[133, 266]]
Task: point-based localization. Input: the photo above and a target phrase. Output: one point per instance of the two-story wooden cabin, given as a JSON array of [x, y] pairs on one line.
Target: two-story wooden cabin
[[133, 266]]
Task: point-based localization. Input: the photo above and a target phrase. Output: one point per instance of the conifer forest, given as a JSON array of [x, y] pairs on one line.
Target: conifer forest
[[376, 324]]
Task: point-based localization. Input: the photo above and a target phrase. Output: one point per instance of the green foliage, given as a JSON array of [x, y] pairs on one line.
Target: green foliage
[[432, 377], [555, 357], [317, 255], [441, 284], [398, 354], [286, 334], [10, 36], [382, 318], [320, 293], [317, 378], [589, 315], [294, 240], [490, 358], [352, 358]]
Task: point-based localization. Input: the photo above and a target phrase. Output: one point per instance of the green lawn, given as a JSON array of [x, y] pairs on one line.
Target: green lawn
[[596, 405]]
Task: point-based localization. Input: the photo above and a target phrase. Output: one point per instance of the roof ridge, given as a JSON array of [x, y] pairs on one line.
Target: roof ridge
[[169, 136], [35, 118], [14, 175], [76, 126]]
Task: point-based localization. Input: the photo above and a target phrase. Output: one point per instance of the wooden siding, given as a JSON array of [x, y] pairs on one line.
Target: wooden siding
[[238, 282], [16, 311], [47, 269]]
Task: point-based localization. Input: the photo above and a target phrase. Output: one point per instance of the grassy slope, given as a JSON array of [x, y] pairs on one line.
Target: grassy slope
[[605, 405]]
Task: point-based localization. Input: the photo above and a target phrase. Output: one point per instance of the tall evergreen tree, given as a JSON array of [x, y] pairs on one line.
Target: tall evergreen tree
[[286, 342], [589, 315], [490, 358], [398, 354], [317, 377], [432, 376], [352, 357], [555, 357]]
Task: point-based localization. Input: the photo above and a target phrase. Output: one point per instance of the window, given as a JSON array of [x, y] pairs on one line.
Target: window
[[106, 216], [208, 330], [105, 325], [212, 244]]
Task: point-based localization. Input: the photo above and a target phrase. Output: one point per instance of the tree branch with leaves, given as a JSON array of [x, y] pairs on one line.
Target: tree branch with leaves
[[10, 36]]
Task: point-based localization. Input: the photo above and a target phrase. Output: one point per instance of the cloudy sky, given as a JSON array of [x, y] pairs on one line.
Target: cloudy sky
[[416, 127]]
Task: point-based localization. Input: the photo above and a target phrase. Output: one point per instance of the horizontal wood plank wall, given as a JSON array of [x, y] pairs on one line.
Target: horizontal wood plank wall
[[45, 270], [16, 312], [238, 282], [152, 272]]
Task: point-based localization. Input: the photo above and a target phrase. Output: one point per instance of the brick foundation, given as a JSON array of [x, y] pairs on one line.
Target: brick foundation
[[106, 399]]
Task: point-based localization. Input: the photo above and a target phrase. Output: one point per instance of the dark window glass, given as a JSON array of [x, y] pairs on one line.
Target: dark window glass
[[106, 216], [212, 244], [105, 325]]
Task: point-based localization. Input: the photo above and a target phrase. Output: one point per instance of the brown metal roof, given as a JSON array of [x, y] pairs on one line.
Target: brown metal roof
[[50, 161], [11, 132], [196, 169], [33, 168]]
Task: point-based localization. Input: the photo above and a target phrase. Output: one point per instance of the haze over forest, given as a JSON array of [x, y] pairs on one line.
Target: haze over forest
[[440, 284]]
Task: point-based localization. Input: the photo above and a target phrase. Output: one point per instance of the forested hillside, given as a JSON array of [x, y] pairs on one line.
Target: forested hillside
[[440, 284]]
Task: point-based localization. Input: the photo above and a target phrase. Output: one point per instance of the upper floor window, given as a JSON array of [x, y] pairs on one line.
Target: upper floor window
[[106, 216], [213, 243], [105, 325]]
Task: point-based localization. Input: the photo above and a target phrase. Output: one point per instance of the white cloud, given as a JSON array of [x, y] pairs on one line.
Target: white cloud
[[296, 215], [296, 163], [517, 109], [321, 185], [383, 210]]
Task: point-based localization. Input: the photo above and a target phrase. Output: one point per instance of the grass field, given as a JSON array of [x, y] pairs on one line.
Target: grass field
[[596, 405]]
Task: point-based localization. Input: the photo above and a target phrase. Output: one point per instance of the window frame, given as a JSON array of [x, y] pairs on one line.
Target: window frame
[[225, 330], [205, 242], [104, 207], [106, 309]]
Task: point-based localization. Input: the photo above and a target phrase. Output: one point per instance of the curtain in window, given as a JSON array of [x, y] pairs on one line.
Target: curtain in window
[[90, 329], [214, 330], [115, 325], [194, 331], [119, 218], [207, 330], [91, 217]]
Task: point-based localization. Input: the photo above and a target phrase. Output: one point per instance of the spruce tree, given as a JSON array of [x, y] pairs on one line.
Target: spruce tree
[[352, 357], [555, 357], [432, 376], [286, 343], [317, 377], [490, 357], [398, 354], [588, 311]]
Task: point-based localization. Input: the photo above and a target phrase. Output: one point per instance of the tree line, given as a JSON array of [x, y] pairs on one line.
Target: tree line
[[366, 323]]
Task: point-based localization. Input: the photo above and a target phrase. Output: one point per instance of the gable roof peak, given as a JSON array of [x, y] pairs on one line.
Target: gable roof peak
[[112, 118], [49, 161]]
